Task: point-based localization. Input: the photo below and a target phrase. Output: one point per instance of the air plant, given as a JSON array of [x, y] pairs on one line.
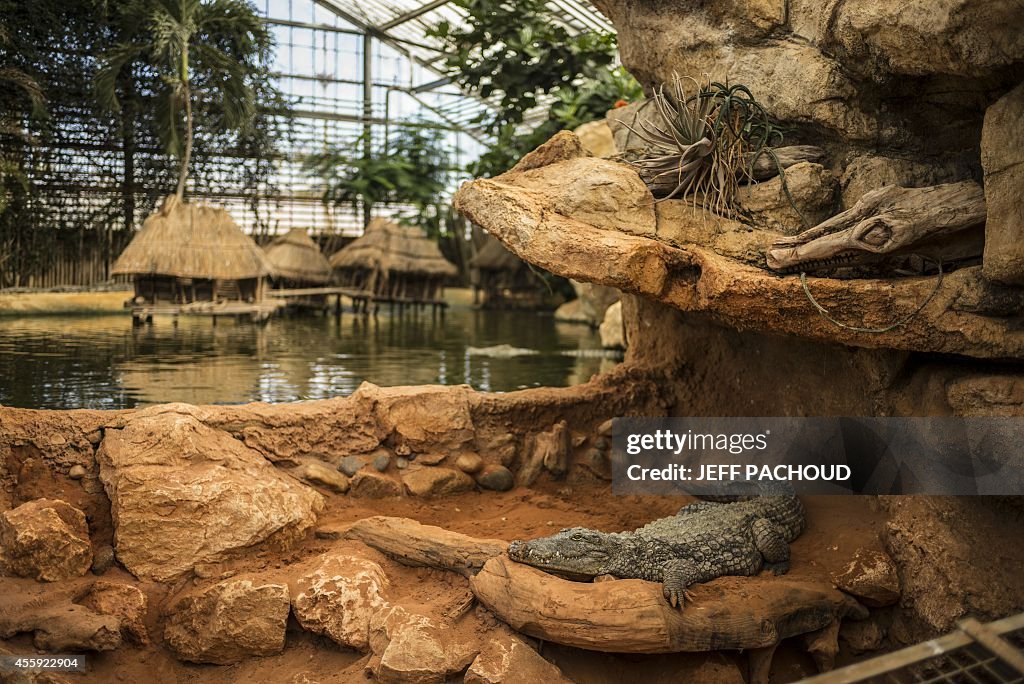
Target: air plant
[[703, 143]]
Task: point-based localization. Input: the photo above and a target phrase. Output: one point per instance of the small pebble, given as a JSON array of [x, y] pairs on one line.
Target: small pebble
[[77, 472], [469, 462], [496, 477], [401, 463], [381, 462]]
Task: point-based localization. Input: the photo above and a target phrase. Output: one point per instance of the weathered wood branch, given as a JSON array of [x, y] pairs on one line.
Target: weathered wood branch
[[413, 543], [632, 616], [888, 222], [694, 278], [58, 624]]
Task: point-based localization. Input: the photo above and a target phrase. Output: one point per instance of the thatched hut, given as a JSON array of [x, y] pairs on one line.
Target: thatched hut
[[298, 265], [296, 261], [505, 280], [188, 253], [393, 263]]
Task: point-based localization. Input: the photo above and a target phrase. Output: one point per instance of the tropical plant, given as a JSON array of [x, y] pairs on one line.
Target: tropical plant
[[414, 170], [12, 174], [518, 53], [211, 50], [702, 143]]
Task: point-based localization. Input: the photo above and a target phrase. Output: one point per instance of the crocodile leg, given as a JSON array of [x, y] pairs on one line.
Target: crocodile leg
[[678, 574], [772, 544]]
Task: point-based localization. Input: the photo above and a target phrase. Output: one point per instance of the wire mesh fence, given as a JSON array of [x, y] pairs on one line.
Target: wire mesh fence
[[974, 654]]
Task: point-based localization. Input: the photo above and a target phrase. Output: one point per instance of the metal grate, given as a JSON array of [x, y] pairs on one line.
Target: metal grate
[[974, 654]]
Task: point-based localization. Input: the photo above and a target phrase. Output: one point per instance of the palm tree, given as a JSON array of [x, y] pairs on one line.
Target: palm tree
[[12, 123], [199, 48]]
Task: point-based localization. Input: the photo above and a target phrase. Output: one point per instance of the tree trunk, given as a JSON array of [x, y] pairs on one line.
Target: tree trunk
[[186, 158]]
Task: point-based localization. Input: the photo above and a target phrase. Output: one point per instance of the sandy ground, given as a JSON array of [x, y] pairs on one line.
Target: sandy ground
[[70, 303], [62, 303], [837, 527]]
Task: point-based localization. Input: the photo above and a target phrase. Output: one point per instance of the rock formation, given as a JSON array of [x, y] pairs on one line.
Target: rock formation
[[168, 474], [229, 621], [45, 540], [863, 88]]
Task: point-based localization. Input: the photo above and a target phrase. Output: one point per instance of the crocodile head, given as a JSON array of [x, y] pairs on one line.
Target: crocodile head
[[574, 552]]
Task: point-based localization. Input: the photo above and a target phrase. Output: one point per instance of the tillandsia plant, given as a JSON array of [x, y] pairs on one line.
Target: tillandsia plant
[[701, 144]]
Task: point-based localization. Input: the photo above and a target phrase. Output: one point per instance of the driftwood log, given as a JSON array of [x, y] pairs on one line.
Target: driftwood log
[[56, 622], [413, 543], [632, 616], [695, 278], [888, 222]]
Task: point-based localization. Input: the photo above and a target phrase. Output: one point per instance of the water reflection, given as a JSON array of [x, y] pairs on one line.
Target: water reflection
[[102, 362]]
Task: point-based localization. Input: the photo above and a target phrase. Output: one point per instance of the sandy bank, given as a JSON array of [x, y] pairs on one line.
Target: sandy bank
[[62, 303]]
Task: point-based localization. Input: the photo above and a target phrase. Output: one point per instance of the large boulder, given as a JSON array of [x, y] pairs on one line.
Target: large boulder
[[599, 191], [828, 67], [613, 334], [506, 659], [411, 648], [338, 596], [45, 539], [183, 493], [812, 189], [596, 138], [425, 419], [228, 622], [867, 172], [1002, 156], [925, 37], [590, 305], [936, 543], [125, 602]]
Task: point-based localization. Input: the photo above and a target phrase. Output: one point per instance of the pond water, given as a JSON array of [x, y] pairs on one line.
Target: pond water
[[103, 362]]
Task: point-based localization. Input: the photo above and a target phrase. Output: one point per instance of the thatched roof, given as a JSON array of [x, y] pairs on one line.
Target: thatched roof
[[192, 241], [494, 257], [295, 256], [390, 247]]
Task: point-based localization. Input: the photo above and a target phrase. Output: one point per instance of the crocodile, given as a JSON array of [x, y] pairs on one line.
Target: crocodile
[[702, 541]]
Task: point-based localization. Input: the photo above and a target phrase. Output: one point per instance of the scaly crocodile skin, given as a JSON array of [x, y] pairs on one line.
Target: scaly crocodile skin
[[702, 541]]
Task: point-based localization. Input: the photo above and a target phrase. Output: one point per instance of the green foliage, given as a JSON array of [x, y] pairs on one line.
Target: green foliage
[[118, 153], [414, 169], [520, 52], [189, 52], [515, 50], [13, 180]]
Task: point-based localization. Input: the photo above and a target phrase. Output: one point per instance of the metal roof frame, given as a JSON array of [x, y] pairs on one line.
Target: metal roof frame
[[379, 19]]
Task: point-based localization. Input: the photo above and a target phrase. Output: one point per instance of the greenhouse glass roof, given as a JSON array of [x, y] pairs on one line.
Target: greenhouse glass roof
[[405, 23]]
